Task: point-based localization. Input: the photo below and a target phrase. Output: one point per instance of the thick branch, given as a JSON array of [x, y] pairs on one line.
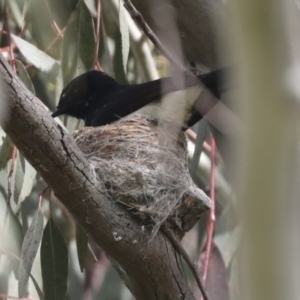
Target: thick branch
[[152, 270]]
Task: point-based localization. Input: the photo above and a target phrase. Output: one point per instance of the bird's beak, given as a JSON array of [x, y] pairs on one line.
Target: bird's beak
[[57, 113]]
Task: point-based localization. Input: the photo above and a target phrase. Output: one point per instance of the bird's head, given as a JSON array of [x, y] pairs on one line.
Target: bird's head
[[78, 96]]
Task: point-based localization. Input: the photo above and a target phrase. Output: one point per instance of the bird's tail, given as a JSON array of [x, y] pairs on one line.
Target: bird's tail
[[218, 81]]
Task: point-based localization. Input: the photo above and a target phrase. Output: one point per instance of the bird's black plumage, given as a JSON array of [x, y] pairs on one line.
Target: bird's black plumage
[[99, 99]]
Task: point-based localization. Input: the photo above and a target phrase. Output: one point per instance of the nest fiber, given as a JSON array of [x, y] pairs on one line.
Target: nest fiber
[[144, 166]]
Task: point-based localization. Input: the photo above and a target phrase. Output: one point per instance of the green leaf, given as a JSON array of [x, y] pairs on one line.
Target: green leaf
[[38, 58], [19, 176], [25, 77], [54, 262], [38, 289], [30, 246], [124, 35], [217, 275], [25, 10], [24, 178], [29, 177], [15, 10], [5, 152], [82, 246], [104, 54], [228, 244], [78, 43]]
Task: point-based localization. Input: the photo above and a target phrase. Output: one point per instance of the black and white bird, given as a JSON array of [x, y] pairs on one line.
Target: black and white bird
[[181, 100]]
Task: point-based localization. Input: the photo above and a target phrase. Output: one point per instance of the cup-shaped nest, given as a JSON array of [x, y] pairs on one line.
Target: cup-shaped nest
[[144, 166]]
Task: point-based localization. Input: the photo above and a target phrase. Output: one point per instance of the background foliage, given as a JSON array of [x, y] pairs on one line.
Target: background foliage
[[52, 42]]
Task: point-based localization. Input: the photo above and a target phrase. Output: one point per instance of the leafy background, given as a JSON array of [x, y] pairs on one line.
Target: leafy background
[[53, 42]]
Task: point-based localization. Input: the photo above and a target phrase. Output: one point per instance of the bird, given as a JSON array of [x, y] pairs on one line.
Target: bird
[[182, 99]]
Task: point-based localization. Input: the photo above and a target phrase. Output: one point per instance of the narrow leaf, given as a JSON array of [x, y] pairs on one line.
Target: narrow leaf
[[217, 276], [30, 246], [5, 152], [29, 177], [82, 246], [25, 77], [124, 35], [24, 178], [38, 58], [228, 243], [78, 43], [25, 10], [104, 51], [19, 176], [38, 289], [15, 11], [54, 262]]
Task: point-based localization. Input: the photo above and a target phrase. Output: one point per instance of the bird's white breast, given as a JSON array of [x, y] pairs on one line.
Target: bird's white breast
[[175, 107]]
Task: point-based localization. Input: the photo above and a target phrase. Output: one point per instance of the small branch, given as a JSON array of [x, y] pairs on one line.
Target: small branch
[[151, 35], [186, 258]]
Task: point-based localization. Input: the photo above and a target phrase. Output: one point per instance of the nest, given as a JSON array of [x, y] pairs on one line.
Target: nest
[[144, 166]]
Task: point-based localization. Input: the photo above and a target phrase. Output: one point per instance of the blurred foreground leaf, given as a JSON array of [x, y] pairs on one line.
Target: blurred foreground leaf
[[30, 246]]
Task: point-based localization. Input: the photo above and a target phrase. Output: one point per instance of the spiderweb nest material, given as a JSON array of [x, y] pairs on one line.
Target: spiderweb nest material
[[144, 166]]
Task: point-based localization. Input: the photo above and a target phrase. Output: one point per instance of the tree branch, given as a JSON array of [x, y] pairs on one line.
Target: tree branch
[[151, 269]]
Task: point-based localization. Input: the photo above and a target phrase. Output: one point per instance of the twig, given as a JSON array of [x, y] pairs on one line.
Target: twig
[[136, 15], [42, 194], [186, 258], [97, 33]]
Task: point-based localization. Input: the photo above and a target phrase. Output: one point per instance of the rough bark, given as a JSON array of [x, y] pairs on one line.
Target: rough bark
[[151, 269]]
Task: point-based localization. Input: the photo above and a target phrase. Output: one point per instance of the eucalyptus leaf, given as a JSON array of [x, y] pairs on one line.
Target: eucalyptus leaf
[[54, 263], [5, 152], [217, 275], [19, 176], [24, 178], [38, 289], [29, 250], [23, 74], [30, 174], [38, 58], [82, 246], [228, 243], [78, 43], [25, 10], [124, 34], [16, 10]]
